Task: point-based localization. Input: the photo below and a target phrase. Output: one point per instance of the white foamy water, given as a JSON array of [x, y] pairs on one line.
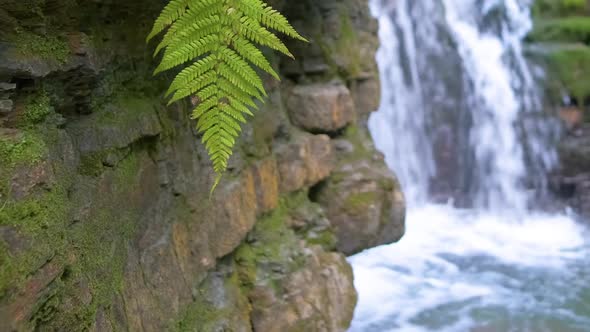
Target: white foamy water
[[456, 270], [500, 266]]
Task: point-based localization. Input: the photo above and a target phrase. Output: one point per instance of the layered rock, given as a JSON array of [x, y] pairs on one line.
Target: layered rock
[[105, 221]]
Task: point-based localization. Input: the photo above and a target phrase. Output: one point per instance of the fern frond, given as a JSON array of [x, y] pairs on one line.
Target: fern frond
[[170, 13], [195, 14], [269, 17], [255, 32], [248, 51], [191, 72], [216, 40]]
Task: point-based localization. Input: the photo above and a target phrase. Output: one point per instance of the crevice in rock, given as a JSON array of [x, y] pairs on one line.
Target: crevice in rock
[[315, 190]]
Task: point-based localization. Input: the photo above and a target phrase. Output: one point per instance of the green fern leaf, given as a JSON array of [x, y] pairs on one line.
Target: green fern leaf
[[170, 13], [215, 40]]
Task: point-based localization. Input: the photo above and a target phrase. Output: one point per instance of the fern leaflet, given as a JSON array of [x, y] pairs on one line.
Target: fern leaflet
[[217, 38]]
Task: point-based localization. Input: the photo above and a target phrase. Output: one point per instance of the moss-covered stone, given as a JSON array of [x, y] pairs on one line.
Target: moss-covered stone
[[567, 29], [21, 147], [562, 28], [37, 107], [47, 47], [272, 242], [572, 67], [560, 7]]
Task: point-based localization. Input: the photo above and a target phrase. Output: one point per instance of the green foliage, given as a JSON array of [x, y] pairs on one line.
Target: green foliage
[[47, 47], [25, 149], [572, 66], [561, 7], [217, 39], [563, 29], [37, 108], [568, 29]]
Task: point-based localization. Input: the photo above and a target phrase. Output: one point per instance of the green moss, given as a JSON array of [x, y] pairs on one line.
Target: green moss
[[358, 202], [95, 163], [348, 44], [199, 316], [273, 243], [24, 148], [93, 249], [572, 67], [342, 55], [567, 29], [41, 221], [37, 108], [326, 239], [48, 47], [560, 7], [206, 314]]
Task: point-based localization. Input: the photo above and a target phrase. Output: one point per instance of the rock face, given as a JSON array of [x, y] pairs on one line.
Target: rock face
[[572, 180], [363, 199], [105, 221]]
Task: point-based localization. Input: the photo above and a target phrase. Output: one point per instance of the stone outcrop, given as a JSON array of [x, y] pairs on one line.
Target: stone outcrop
[[105, 219], [571, 181], [363, 199]]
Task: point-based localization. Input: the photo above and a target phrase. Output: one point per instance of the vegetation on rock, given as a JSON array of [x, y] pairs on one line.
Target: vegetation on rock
[[564, 26]]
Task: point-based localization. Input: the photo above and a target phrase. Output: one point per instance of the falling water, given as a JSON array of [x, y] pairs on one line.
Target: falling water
[[462, 122]]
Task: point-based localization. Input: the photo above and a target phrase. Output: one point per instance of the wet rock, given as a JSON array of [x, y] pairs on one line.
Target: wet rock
[[291, 284], [321, 108], [366, 94], [318, 297], [363, 199], [571, 181], [304, 162]]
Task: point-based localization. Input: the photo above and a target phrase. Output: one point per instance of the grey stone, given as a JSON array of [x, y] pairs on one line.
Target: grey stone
[[7, 86], [6, 106]]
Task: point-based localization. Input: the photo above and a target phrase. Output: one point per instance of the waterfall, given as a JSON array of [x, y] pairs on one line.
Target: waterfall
[[462, 124], [455, 82]]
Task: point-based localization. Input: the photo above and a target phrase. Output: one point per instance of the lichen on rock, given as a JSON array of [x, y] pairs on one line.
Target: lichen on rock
[[105, 220]]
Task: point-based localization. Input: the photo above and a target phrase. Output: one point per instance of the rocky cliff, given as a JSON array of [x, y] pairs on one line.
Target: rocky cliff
[[562, 37], [105, 221]]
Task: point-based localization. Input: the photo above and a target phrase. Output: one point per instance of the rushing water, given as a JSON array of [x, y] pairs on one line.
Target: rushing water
[[461, 118]]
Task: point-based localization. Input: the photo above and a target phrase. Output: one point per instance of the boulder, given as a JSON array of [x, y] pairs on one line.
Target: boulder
[[362, 198], [321, 108], [304, 162]]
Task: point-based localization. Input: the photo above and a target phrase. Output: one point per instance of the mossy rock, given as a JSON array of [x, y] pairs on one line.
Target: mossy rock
[[568, 29], [560, 7], [46, 47], [572, 67]]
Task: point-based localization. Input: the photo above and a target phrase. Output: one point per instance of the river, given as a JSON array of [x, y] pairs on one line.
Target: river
[[461, 123]]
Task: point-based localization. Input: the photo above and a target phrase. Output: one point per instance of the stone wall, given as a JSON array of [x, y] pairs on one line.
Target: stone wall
[[105, 221]]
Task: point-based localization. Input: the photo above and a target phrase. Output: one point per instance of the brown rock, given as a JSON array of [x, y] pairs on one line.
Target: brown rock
[[321, 108], [318, 297], [27, 179], [362, 198], [366, 95], [15, 314], [306, 161], [266, 178]]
